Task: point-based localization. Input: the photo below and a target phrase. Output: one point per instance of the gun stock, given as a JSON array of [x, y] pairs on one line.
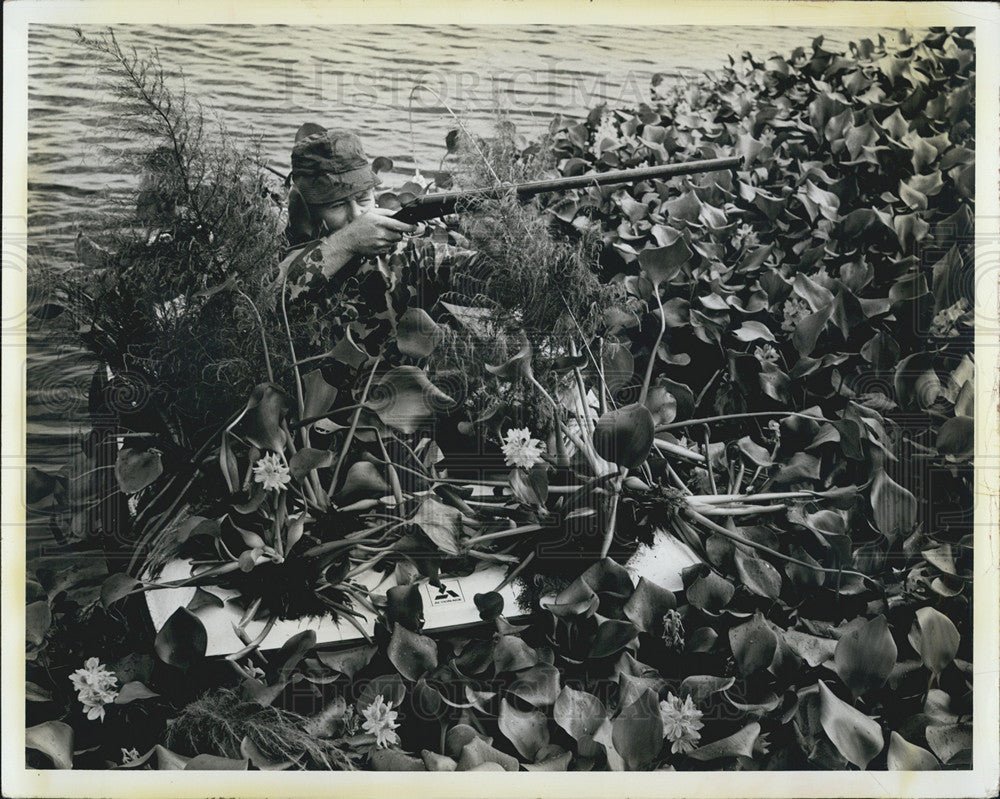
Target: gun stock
[[430, 206]]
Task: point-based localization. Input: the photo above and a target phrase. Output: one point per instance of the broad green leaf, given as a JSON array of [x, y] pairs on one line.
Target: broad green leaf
[[895, 508], [809, 328], [857, 737], [135, 470], [363, 480], [952, 743], [527, 730], [637, 732], [538, 686], [753, 644], [307, 459], [406, 399], [458, 736], [293, 651], [52, 738], [957, 437], [319, 395], [417, 334], [490, 605], [166, 760], [349, 661], [264, 413], [182, 640], [904, 756], [510, 653], [395, 760], [612, 636], [441, 523], [865, 656], [578, 712], [411, 653], [648, 605], [662, 405], [739, 744], [758, 575], [710, 592], [478, 752], [558, 761], [37, 620], [661, 264], [216, 763], [436, 762], [935, 638], [617, 366], [701, 686], [132, 691], [753, 331], [818, 296], [757, 454], [516, 367], [389, 686], [624, 436]]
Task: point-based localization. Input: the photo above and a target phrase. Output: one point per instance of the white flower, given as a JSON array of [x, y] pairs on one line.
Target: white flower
[[673, 630], [129, 755], [681, 722], [767, 354], [520, 449], [95, 687], [794, 309], [380, 721], [271, 473]]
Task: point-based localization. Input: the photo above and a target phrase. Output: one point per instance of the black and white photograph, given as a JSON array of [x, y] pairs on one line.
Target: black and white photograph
[[601, 392]]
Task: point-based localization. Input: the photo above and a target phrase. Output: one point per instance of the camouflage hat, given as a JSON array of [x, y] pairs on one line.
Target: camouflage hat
[[329, 165]]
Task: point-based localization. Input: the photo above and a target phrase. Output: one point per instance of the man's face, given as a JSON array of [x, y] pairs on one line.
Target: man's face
[[339, 215]]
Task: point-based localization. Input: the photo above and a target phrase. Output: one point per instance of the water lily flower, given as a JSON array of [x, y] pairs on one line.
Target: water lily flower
[[380, 721], [129, 756], [767, 354], [681, 722], [520, 449], [794, 309], [95, 687], [270, 472], [673, 630]]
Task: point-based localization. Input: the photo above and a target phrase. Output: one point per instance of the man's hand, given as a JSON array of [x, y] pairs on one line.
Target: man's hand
[[372, 233]]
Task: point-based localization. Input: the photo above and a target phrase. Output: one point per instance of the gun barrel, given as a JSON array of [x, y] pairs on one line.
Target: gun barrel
[[433, 205]]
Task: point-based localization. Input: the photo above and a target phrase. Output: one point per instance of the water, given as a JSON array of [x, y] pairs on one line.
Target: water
[[268, 80]]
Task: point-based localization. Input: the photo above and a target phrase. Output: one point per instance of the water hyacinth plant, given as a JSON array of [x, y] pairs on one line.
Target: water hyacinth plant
[[748, 364]]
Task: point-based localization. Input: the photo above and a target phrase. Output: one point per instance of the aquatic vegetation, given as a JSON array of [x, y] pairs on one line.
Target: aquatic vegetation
[[757, 363]]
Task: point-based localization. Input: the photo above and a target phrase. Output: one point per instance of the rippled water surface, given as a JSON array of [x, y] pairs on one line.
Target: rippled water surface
[[394, 84]]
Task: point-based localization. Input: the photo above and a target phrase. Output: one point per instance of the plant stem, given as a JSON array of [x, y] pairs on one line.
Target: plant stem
[[327, 415], [527, 528], [652, 355], [255, 643], [610, 533], [517, 571], [353, 428], [709, 499], [708, 462], [397, 489], [263, 337], [678, 450], [715, 510], [580, 388], [725, 533], [729, 416], [705, 388]]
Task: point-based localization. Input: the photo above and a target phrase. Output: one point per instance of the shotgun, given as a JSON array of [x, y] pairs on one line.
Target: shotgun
[[430, 206]]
